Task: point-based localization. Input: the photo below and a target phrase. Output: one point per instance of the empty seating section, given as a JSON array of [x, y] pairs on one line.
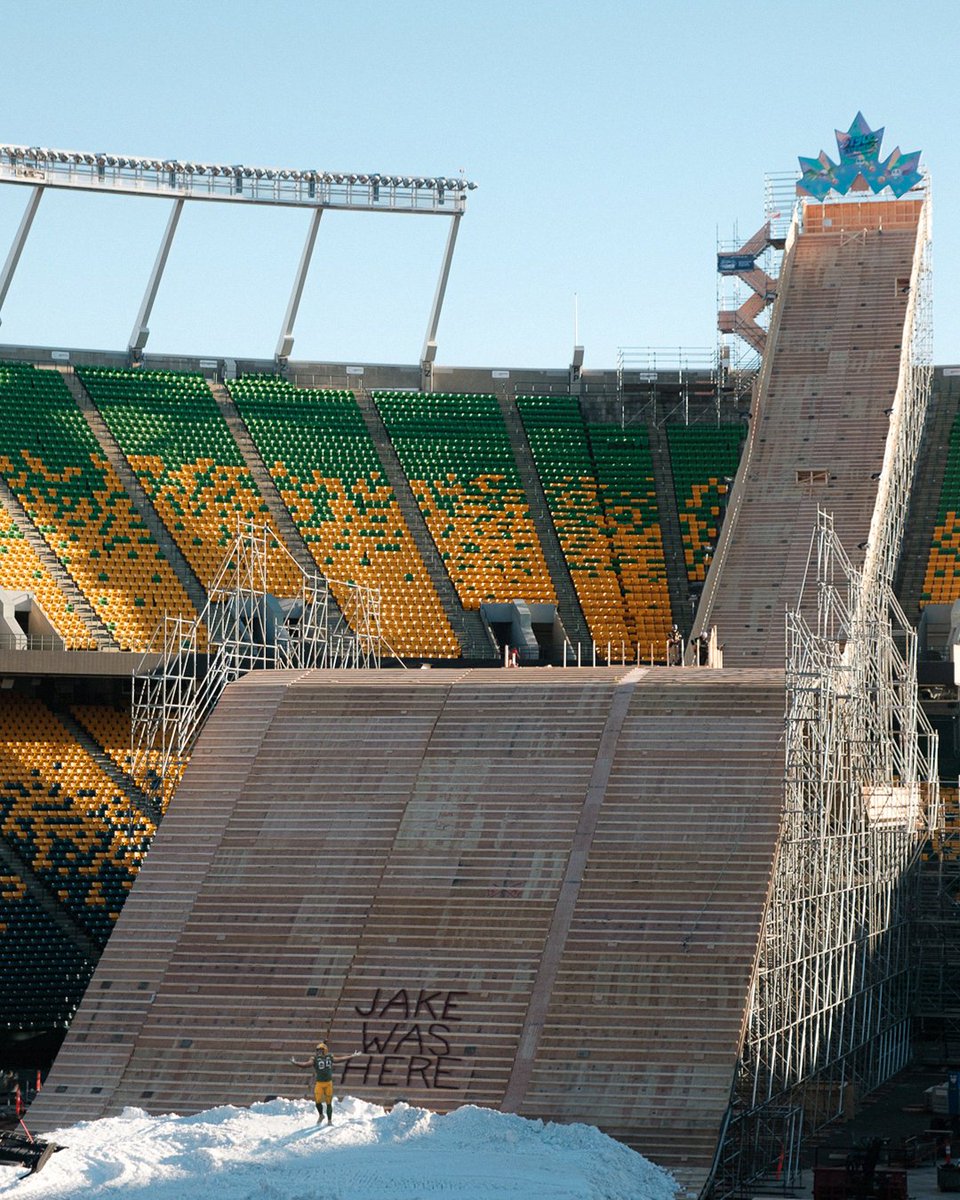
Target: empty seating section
[[53, 463], [64, 816], [945, 843], [22, 571], [455, 451], [110, 729], [624, 470], [178, 443], [561, 451], [325, 466], [703, 458], [941, 584], [42, 973]]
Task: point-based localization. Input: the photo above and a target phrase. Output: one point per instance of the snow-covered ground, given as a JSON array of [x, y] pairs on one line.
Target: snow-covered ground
[[276, 1151]]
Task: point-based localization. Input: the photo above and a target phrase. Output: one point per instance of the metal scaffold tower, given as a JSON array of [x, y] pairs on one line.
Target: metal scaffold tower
[[658, 383], [242, 628], [834, 987]]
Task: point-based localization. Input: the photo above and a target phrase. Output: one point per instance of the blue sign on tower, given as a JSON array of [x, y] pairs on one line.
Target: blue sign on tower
[[859, 159]]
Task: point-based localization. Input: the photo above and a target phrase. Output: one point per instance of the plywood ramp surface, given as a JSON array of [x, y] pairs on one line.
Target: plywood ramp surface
[[820, 428], [538, 890]]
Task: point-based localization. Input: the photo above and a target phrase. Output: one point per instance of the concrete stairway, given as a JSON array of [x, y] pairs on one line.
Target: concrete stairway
[[472, 634], [568, 605], [279, 516], [64, 581], [670, 532], [134, 489], [925, 494], [45, 899], [142, 803]]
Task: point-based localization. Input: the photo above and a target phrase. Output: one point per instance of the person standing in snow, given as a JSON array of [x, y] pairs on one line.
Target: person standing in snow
[[322, 1063]]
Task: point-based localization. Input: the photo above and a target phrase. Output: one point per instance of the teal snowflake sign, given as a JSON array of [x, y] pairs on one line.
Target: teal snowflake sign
[[859, 158]]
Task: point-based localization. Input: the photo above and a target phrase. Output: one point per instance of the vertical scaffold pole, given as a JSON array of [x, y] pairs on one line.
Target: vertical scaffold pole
[[19, 241]]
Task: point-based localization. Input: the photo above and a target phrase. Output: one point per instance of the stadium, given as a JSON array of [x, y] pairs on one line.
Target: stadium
[[579, 744]]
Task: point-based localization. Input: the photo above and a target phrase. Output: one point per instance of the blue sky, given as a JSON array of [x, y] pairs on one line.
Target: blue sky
[[613, 143]]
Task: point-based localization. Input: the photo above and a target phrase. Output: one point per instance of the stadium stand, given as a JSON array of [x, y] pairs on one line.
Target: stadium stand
[[561, 452], [819, 426], [43, 973], [64, 816], [22, 571], [174, 437], [456, 453], [326, 469], [704, 459], [941, 584], [494, 871], [110, 727], [54, 466], [624, 471]]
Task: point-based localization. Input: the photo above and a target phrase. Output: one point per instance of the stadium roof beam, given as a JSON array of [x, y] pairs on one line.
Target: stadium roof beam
[[40, 167], [235, 184]]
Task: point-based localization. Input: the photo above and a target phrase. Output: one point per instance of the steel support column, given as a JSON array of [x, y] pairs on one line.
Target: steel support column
[[429, 352], [141, 331], [285, 341], [19, 241]]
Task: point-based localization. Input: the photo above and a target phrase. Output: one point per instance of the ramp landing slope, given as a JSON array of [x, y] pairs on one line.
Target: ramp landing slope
[[534, 890]]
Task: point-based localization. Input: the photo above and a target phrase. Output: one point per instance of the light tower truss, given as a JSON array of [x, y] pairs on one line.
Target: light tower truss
[[241, 628], [39, 168], [835, 982]]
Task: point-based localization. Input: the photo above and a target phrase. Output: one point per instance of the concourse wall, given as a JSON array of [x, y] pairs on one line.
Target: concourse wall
[[538, 890]]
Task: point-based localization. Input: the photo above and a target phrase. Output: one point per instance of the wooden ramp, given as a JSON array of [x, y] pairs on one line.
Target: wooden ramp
[[537, 890], [820, 426]]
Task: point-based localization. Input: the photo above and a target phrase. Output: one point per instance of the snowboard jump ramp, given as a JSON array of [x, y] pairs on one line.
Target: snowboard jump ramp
[[673, 903], [537, 890]]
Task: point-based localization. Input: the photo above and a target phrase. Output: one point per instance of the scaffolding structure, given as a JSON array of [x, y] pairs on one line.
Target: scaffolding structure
[[660, 382], [242, 628], [835, 985], [744, 295]]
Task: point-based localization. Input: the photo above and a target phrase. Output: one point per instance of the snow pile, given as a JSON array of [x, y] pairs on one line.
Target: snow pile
[[276, 1151]]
